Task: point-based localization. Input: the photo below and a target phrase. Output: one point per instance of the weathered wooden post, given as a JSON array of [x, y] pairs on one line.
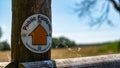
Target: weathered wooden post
[[31, 31]]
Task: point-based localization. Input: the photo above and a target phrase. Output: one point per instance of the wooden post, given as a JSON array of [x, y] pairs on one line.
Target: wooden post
[[21, 10]]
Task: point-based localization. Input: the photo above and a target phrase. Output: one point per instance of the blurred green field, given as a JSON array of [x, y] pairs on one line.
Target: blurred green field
[[81, 51]]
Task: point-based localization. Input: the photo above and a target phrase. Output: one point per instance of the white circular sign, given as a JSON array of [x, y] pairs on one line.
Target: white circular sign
[[36, 33]]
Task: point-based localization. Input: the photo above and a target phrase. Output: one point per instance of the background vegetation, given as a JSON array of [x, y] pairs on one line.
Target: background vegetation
[[77, 51], [62, 42], [3, 44]]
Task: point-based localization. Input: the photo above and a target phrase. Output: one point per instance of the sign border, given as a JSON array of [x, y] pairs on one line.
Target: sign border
[[47, 22]]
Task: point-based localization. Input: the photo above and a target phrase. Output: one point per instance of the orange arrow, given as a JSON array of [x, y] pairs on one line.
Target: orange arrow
[[39, 36]]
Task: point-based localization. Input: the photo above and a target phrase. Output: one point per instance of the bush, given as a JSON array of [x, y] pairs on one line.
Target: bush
[[4, 46], [62, 42]]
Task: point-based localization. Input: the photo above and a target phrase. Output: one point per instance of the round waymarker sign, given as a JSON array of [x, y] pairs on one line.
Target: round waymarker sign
[[36, 33]]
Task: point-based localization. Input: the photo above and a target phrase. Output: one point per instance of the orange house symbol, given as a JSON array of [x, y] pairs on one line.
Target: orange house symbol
[[39, 36]]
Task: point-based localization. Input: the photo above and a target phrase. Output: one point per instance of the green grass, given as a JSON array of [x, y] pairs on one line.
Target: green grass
[[111, 47]]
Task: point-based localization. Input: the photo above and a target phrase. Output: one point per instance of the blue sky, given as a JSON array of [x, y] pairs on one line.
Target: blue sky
[[66, 23], [5, 19]]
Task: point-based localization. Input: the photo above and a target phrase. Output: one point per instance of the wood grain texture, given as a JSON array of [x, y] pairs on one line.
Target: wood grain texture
[[21, 10]]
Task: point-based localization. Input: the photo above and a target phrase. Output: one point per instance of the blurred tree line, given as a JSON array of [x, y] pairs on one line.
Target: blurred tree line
[[3, 44], [62, 42]]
